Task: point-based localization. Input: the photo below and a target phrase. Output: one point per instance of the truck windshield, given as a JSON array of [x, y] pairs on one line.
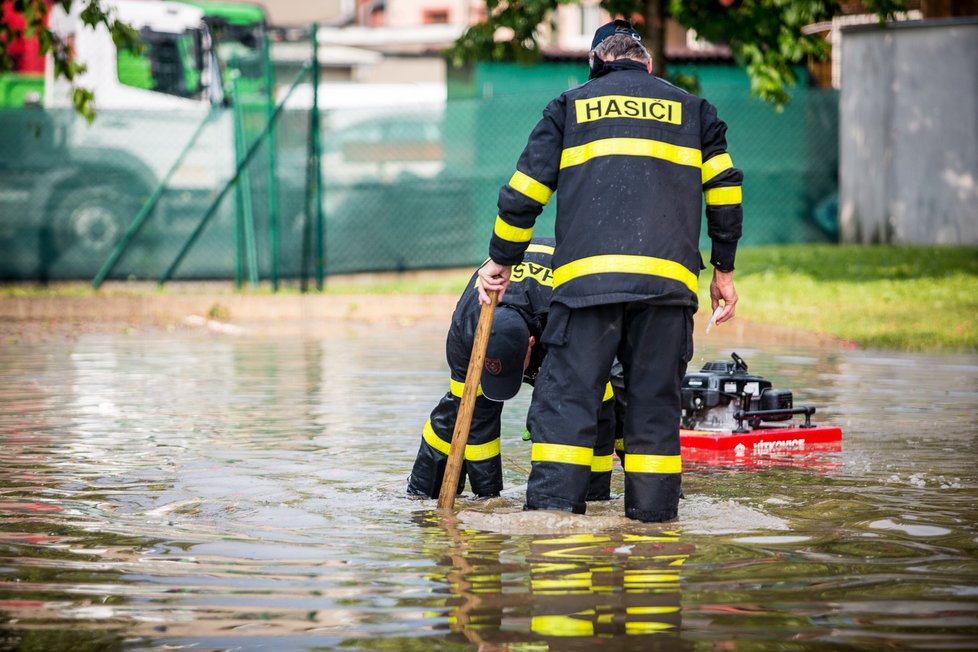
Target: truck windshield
[[169, 63]]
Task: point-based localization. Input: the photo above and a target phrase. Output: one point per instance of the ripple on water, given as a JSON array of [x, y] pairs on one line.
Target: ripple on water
[[697, 515], [913, 529]]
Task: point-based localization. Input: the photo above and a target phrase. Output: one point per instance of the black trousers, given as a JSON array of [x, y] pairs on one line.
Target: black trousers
[[654, 344], [483, 463]]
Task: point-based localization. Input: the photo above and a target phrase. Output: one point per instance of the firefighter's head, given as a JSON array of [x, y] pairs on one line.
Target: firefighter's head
[[617, 40], [507, 354]]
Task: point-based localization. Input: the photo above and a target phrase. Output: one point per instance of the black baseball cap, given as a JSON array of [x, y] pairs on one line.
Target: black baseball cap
[[502, 371], [608, 30]]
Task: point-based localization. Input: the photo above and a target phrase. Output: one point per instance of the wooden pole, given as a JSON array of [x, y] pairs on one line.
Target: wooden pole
[[456, 453]]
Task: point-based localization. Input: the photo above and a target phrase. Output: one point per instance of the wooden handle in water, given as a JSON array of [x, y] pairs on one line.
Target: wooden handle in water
[[463, 421]]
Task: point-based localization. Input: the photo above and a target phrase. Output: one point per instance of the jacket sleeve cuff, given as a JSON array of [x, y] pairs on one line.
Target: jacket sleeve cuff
[[507, 254], [723, 255]]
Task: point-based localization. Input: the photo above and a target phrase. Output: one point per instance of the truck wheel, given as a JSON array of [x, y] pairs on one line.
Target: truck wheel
[[92, 220]]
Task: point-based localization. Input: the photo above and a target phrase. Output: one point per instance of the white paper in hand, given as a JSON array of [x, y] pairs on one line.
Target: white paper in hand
[[713, 319]]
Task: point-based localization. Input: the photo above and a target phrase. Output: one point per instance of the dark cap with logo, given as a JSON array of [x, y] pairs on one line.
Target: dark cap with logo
[[608, 30], [502, 372]]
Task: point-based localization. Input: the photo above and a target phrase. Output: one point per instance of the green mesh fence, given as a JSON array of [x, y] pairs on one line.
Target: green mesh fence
[[403, 188]]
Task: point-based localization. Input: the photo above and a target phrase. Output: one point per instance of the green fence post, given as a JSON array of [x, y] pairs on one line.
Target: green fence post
[[245, 213], [212, 209], [317, 164], [271, 146], [147, 208]]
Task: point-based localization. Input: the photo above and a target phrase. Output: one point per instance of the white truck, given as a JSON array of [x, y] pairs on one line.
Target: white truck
[[78, 187]]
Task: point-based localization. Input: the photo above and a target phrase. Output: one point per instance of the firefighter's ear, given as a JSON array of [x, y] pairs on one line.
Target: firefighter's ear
[[529, 352], [648, 66]]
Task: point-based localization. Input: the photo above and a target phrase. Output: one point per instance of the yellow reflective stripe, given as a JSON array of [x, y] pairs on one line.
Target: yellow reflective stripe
[[457, 387], [434, 440], [648, 577], [631, 147], [636, 628], [539, 249], [530, 187], [649, 611], [569, 539], [609, 392], [626, 264], [491, 577], [620, 445], [507, 231], [557, 587], [635, 463], [639, 538], [716, 165], [601, 463], [562, 454], [480, 452], [723, 196], [561, 626], [473, 452]]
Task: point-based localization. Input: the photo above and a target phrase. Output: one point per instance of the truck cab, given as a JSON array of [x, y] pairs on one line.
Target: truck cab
[[177, 69], [69, 190]]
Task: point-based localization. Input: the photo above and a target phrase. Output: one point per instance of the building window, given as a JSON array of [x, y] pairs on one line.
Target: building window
[[434, 17], [590, 19]]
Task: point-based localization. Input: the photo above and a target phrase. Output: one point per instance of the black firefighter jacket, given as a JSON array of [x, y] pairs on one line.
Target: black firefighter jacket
[[631, 158]]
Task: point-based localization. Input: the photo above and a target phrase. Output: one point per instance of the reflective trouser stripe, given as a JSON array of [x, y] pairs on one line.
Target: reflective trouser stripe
[[724, 196], [434, 440], [480, 452], [620, 445], [511, 233], [527, 185], [457, 387], [602, 463], [635, 463], [473, 452], [626, 264], [631, 147], [562, 454], [715, 166], [609, 392]]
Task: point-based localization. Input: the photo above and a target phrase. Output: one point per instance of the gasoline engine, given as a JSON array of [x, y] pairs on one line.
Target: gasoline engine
[[723, 396]]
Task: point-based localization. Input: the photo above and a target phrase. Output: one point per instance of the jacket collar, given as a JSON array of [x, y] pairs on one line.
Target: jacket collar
[[605, 67]]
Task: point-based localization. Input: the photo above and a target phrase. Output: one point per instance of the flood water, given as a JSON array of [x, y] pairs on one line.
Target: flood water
[[211, 491]]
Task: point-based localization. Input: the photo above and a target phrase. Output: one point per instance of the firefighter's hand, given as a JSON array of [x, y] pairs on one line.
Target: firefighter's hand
[[722, 287], [493, 276]]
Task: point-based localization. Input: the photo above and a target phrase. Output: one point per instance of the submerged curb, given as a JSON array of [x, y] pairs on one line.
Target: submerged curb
[[230, 308], [244, 314]]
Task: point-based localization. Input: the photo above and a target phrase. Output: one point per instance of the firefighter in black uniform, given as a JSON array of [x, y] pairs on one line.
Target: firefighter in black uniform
[[630, 157], [513, 356]]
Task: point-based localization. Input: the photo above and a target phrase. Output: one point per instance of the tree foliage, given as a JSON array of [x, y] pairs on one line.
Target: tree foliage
[[34, 14], [765, 36]]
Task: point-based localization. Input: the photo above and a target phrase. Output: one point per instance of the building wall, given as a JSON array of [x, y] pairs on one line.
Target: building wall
[[394, 70], [909, 134], [410, 13], [294, 13]]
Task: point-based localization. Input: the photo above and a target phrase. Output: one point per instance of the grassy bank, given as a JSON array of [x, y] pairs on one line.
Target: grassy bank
[[905, 298]]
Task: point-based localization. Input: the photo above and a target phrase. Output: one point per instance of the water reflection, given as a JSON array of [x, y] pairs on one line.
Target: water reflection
[[569, 588], [161, 490]]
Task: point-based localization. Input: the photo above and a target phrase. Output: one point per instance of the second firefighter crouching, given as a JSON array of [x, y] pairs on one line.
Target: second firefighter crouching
[[513, 356]]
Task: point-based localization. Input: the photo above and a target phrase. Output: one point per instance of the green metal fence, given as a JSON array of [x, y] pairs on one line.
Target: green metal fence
[[401, 188]]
